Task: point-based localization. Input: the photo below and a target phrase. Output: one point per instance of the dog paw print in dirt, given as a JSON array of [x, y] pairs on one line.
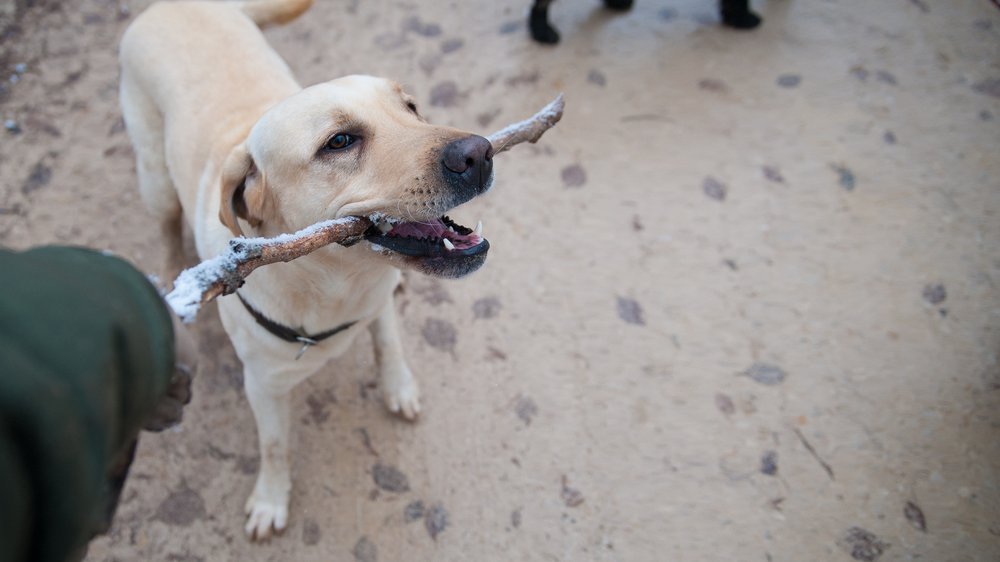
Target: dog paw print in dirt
[[935, 295], [573, 176], [436, 520], [525, 408], [789, 81], [630, 311], [772, 174], [845, 176], [390, 478], [714, 189], [440, 334], [571, 496], [435, 517], [862, 544], [311, 533], [766, 374], [181, 508], [365, 550]]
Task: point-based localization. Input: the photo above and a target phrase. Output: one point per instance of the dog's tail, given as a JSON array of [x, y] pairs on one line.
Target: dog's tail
[[273, 12]]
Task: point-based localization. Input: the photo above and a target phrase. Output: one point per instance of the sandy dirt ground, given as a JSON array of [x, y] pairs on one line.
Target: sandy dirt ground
[[742, 304]]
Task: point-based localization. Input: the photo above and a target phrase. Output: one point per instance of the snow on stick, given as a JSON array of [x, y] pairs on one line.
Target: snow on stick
[[225, 273]]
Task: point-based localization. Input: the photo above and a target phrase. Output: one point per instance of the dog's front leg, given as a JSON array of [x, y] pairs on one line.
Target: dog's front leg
[[399, 389], [267, 506]]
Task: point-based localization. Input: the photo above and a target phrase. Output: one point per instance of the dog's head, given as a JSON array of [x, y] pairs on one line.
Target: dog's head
[[357, 146]]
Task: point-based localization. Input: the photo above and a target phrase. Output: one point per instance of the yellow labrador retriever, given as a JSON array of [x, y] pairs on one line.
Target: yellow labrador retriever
[[227, 142]]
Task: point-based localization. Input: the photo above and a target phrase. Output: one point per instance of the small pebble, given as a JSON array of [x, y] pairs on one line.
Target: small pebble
[[20, 68], [766, 374], [861, 544], [667, 14], [915, 516], [573, 176], [451, 45], [12, 126], [789, 80], [845, 177], [769, 463], [571, 496], [630, 311], [725, 404], [597, 77], [887, 77], [935, 293], [435, 520], [860, 72], [773, 174], [713, 85], [510, 27], [714, 188], [413, 511]]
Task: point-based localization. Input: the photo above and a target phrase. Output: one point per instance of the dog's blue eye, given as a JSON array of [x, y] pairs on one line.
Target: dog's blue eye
[[340, 141]]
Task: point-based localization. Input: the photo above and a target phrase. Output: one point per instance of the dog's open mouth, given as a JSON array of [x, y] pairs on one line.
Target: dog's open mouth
[[437, 247], [441, 237]]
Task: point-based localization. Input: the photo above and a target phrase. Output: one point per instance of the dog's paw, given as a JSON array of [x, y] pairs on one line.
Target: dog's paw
[[265, 518], [401, 394]]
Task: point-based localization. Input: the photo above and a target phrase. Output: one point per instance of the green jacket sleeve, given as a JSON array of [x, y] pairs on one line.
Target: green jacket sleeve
[[86, 353]]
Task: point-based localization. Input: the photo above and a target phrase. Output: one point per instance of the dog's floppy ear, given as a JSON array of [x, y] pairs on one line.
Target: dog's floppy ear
[[244, 191]]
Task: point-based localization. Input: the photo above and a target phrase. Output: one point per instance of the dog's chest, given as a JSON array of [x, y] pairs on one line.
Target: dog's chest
[[317, 302]]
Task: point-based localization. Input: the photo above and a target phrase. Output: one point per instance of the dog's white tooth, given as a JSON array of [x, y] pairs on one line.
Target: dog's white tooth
[[448, 244], [479, 229]]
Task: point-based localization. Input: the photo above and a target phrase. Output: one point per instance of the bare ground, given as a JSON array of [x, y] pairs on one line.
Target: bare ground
[[742, 304]]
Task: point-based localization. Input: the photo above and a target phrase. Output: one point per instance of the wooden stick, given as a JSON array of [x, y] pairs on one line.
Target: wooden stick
[[225, 273], [530, 129]]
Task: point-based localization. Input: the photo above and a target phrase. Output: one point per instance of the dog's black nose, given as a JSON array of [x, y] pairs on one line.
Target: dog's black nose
[[469, 160]]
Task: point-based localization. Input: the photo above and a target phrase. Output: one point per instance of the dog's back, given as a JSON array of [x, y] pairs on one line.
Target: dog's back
[[196, 43], [198, 70], [194, 76]]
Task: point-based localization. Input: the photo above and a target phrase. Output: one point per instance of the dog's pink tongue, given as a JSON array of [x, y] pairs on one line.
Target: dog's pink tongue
[[418, 229]]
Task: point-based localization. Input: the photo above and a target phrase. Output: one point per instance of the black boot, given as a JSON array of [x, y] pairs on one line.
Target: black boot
[[618, 5], [538, 23], [737, 14]]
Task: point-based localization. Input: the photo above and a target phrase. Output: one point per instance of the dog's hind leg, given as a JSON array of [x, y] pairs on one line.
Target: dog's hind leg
[[399, 389], [146, 130], [538, 23], [737, 14]]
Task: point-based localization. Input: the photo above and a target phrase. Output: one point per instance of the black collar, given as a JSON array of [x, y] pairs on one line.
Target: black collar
[[291, 334]]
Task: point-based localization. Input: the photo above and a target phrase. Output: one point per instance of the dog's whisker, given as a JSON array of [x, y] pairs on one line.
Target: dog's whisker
[[501, 147]]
